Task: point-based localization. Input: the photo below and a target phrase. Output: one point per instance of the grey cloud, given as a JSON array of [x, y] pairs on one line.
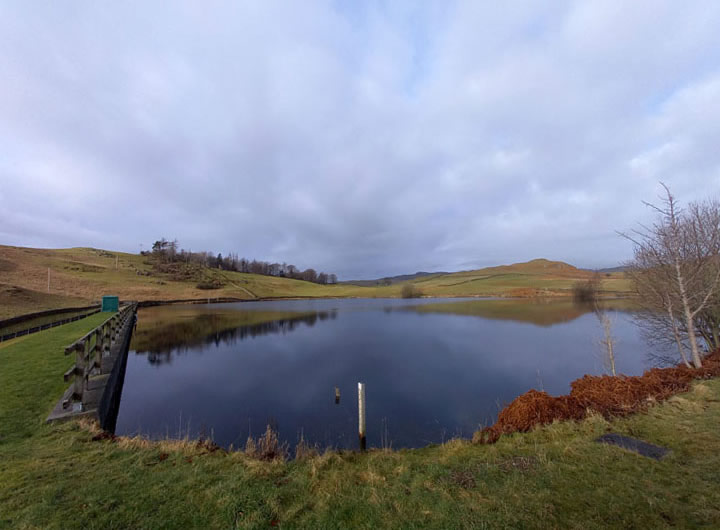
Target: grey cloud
[[369, 140]]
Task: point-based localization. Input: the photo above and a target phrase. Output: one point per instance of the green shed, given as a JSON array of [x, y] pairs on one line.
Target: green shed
[[110, 304]]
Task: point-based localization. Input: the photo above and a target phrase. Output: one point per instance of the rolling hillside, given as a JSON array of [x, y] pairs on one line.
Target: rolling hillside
[[389, 280], [82, 275], [539, 277]]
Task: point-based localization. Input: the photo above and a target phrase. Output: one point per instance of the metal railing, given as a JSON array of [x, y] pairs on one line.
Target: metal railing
[[92, 348]]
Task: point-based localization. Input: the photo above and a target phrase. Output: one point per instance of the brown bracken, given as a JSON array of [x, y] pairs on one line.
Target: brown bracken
[[606, 395]]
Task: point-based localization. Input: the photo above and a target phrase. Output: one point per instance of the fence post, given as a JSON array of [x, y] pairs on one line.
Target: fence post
[[99, 347], [110, 333], [79, 375], [106, 343], [361, 415]]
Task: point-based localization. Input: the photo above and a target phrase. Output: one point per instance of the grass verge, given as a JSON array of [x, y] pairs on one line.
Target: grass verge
[[59, 476]]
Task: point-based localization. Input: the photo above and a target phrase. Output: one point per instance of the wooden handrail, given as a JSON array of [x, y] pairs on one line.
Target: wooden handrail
[[89, 353]]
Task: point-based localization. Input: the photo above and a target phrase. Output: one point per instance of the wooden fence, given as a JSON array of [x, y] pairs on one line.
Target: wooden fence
[[91, 349]]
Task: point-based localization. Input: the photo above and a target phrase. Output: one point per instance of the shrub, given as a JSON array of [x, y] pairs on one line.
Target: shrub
[[209, 284], [411, 291], [587, 291]]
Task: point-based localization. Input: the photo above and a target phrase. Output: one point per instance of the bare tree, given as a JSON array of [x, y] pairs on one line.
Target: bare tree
[[660, 321], [309, 275], [705, 231], [675, 269], [608, 341]]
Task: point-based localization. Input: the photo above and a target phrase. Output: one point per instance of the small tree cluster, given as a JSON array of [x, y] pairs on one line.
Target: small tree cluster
[[169, 252]]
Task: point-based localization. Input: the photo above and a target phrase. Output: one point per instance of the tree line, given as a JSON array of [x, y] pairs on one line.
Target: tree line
[[166, 251]]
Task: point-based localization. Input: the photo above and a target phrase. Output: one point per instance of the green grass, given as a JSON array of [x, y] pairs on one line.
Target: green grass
[[56, 476], [27, 361], [42, 320]]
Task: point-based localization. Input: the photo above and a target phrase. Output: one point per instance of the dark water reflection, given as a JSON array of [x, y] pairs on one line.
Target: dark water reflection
[[433, 369], [203, 330]]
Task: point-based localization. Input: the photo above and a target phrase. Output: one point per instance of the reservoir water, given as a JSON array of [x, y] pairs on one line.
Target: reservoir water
[[433, 368]]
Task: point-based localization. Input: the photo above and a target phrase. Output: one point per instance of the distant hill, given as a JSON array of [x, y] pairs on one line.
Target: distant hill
[[620, 268], [389, 280], [535, 266], [82, 275], [540, 265]]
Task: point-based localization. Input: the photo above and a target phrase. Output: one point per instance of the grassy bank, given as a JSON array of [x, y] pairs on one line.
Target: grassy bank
[[42, 320], [82, 275], [57, 476]]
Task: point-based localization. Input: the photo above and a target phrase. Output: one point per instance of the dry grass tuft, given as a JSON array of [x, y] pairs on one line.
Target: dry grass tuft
[[185, 446], [304, 451], [267, 447]]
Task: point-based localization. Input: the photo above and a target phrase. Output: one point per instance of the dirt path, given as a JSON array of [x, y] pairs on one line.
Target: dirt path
[[248, 291]]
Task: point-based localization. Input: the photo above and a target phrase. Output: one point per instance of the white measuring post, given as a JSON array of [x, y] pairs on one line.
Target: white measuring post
[[48, 279], [361, 415]]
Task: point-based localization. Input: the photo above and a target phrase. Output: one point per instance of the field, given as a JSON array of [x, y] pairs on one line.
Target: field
[[67, 475], [79, 276]]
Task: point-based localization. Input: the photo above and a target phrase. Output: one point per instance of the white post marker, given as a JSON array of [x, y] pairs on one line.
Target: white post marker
[[361, 415], [48, 279]]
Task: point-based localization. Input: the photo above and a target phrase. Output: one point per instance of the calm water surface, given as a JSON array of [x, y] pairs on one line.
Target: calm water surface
[[433, 369]]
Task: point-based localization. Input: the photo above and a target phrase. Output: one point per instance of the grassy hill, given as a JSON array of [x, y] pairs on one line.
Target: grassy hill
[[82, 275], [539, 277]]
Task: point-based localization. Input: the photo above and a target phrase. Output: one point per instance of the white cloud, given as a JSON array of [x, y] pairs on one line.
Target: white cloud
[[375, 140]]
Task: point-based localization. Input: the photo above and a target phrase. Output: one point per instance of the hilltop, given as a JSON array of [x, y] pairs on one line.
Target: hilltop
[[540, 265], [538, 277], [82, 275]]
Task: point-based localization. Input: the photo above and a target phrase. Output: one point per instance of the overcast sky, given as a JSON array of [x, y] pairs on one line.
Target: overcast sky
[[361, 138]]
